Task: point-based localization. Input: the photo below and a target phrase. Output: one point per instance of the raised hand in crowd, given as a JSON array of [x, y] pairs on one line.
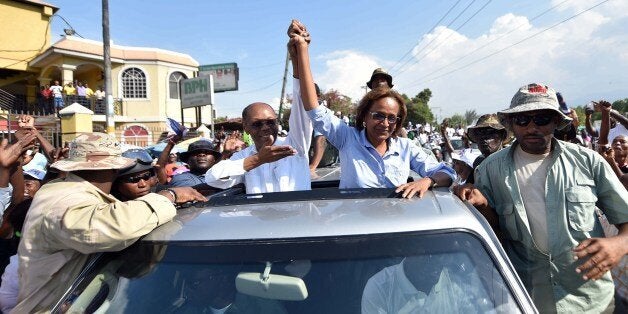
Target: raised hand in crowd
[[10, 154], [162, 161], [27, 123], [59, 153]]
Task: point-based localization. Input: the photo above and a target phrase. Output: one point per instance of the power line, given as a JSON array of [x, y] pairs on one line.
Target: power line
[[517, 43], [263, 88], [445, 40], [490, 42], [433, 39], [68, 23], [431, 29]]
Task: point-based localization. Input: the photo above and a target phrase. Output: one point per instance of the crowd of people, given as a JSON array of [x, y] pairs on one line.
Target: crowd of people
[[58, 96], [529, 169]]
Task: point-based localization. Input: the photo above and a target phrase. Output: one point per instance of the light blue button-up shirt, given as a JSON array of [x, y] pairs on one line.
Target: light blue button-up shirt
[[361, 166]]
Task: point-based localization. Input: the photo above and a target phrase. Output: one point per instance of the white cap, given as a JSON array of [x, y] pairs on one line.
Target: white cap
[[467, 155]]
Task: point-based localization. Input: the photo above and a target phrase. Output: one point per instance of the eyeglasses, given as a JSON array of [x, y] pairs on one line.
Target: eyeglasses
[[261, 123], [541, 119], [135, 179], [378, 116]]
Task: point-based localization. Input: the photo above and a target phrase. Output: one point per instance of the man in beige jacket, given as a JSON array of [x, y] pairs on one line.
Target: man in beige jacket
[[73, 217]]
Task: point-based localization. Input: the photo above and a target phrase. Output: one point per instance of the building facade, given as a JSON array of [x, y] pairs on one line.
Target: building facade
[[145, 81]]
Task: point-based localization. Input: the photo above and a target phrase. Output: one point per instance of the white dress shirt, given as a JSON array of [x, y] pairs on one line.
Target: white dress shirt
[[286, 174]]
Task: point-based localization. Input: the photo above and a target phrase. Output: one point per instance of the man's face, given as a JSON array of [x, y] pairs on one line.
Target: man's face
[[261, 124], [137, 184], [379, 81], [489, 140], [172, 158], [31, 187], [534, 130], [620, 145], [201, 161]]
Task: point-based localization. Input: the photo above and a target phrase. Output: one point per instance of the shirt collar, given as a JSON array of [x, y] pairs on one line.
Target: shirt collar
[[393, 143]]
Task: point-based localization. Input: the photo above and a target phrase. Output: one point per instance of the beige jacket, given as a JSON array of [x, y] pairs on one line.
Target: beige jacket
[[69, 219]]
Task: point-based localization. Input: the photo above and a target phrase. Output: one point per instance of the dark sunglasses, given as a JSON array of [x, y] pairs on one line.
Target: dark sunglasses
[[261, 123], [378, 116], [135, 179], [541, 119], [488, 133]]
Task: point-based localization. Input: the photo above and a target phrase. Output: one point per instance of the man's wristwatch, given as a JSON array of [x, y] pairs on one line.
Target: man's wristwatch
[[174, 195], [433, 184]]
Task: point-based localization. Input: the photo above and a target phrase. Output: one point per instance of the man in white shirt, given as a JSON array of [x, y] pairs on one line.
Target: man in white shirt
[[56, 93], [274, 163]]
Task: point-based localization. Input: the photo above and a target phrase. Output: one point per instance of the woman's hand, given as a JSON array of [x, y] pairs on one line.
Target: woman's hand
[[412, 188]]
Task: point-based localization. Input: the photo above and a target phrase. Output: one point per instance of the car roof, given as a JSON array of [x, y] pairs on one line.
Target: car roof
[[362, 211]]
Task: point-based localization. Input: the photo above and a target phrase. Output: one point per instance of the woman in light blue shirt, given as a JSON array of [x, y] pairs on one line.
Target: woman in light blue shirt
[[371, 153]]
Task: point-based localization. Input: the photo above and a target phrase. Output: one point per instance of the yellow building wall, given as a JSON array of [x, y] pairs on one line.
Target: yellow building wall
[[25, 33]]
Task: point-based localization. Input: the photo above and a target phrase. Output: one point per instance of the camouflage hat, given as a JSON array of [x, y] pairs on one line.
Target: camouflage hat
[[382, 72], [534, 97], [486, 121], [94, 151]]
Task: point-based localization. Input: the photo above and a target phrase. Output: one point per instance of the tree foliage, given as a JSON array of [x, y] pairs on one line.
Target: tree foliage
[[418, 109], [470, 116], [336, 102]]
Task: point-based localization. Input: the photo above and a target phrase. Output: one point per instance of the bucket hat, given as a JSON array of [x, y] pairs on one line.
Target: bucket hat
[[534, 97], [94, 151], [380, 71], [200, 146], [491, 121]]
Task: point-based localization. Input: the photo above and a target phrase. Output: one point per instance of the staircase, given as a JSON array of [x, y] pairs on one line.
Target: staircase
[[9, 101]]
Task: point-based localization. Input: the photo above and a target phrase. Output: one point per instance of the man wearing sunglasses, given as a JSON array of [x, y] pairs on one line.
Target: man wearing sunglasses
[[541, 195], [273, 164], [138, 180], [489, 134]]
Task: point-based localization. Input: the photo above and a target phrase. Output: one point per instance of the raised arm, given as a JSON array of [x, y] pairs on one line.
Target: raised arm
[[300, 135], [299, 37], [605, 108]]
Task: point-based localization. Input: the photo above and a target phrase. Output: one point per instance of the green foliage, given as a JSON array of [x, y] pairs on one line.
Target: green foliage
[[470, 116], [220, 119], [621, 105], [455, 120], [418, 109], [339, 102]]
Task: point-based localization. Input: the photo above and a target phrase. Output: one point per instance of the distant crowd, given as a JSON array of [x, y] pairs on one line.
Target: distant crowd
[[57, 96]]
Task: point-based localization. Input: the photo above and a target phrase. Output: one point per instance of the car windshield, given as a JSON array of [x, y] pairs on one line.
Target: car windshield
[[431, 272]]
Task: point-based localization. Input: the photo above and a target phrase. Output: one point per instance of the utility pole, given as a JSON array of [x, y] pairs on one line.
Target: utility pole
[[283, 86], [106, 42], [366, 89]]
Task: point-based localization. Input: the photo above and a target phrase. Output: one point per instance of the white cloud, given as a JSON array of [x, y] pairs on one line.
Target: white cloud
[[346, 71], [582, 58]]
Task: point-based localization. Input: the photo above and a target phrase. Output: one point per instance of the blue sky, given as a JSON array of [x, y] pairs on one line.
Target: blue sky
[[585, 58]]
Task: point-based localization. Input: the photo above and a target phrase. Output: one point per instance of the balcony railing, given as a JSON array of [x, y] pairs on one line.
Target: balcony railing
[[98, 106]]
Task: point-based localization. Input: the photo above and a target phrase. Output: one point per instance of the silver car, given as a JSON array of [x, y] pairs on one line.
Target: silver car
[[320, 251]]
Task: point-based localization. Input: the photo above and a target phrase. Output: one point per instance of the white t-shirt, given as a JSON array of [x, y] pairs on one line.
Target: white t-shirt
[[531, 174], [56, 91]]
